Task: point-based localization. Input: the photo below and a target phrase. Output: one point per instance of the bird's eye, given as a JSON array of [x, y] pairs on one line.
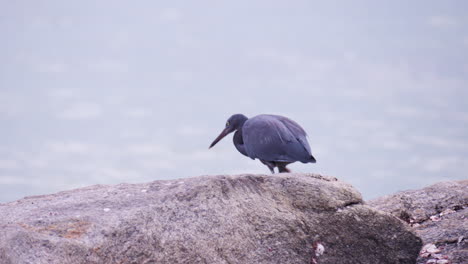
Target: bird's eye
[[227, 123]]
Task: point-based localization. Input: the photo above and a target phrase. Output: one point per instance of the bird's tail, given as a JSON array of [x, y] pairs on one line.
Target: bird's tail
[[312, 159]]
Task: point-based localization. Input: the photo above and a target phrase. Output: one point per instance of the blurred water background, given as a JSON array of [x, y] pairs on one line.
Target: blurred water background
[[104, 92]]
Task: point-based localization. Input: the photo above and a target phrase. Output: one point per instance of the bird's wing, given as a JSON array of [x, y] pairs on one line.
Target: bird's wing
[[269, 138], [291, 124], [298, 132]]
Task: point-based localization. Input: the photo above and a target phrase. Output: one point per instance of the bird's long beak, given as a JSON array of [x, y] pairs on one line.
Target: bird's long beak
[[223, 134]]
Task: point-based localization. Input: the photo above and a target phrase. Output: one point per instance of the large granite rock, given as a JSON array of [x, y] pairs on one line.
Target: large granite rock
[[439, 215], [282, 218]]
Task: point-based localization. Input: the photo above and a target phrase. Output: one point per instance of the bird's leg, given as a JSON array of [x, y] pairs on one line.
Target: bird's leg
[[270, 165], [282, 167]]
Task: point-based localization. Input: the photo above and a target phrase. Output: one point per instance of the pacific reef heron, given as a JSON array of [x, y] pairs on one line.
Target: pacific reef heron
[[275, 140]]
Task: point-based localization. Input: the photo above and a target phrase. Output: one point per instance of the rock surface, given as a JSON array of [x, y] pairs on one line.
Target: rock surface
[[281, 218], [438, 214]]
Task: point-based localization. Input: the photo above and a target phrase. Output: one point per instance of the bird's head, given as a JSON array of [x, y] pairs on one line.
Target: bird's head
[[232, 124]]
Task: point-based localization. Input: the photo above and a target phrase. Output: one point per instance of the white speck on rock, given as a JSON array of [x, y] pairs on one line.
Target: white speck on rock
[[431, 248], [144, 190], [319, 250], [443, 261], [428, 250], [447, 211], [106, 209]]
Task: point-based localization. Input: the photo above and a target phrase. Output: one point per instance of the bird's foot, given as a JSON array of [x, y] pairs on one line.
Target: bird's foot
[[270, 165], [282, 167]]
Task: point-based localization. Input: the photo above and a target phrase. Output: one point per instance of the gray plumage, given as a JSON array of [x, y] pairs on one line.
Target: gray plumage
[[275, 140]]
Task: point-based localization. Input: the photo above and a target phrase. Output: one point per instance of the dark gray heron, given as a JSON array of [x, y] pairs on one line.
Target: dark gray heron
[[275, 140]]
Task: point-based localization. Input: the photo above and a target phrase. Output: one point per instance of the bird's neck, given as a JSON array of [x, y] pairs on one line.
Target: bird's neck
[[238, 137], [239, 141]]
